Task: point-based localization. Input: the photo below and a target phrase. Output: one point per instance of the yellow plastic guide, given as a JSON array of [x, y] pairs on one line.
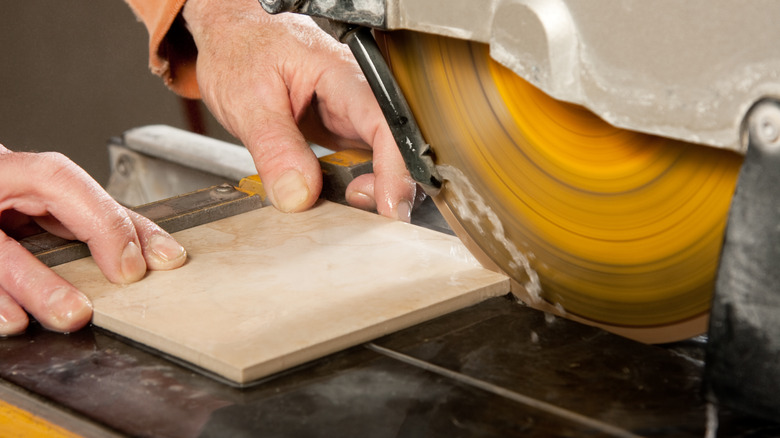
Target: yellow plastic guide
[[15, 422], [623, 229]]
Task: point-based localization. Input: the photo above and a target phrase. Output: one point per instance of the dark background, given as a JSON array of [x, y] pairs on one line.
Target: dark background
[[75, 73]]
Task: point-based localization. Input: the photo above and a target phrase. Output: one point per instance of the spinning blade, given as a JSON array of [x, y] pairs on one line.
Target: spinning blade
[[623, 229]]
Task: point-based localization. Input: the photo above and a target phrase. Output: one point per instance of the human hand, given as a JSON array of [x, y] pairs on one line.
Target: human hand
[[275, 81], [56, 194]]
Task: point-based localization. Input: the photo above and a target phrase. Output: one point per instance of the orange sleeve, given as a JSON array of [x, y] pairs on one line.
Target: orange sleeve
[[172, 52]]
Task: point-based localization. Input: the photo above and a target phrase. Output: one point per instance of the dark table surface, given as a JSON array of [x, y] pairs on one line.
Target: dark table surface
[[495, 369]]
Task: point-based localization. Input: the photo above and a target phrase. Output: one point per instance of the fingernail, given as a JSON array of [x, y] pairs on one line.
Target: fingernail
[[13, 320], [290, 191], [403, 211], [165, 252], [68, 309], [132, 263], [361, 200]]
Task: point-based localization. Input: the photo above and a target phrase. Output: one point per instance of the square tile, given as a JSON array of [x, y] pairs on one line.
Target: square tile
[[264, 291]]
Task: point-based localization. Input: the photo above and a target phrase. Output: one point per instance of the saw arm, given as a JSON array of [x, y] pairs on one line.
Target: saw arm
[[591, 151], [609, 226]]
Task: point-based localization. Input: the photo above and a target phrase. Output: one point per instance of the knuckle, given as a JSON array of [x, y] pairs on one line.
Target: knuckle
[[143, 225], [114, 217], [56, 166], [275, 144]]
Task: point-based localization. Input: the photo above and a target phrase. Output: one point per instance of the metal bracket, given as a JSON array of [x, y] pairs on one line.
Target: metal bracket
[[371, 13], [173, 214], [175, 170], [417, 154], [743, 352]]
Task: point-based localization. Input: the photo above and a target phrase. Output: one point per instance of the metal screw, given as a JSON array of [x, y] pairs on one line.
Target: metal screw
[[769, 131], [279, 6], [124, 165], [766, 124], [224, 188]]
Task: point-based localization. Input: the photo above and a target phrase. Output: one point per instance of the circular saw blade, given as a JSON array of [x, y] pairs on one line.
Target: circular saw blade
[[616, 228]]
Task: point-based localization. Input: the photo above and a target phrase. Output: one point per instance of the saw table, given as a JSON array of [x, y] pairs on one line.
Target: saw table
[[497, 368]]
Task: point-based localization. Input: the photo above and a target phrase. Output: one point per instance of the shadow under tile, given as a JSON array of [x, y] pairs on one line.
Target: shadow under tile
[[383, 398], [645, 389], [352, 393]]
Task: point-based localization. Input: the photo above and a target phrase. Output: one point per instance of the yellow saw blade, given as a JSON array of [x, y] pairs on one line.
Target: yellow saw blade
[[614, 227]]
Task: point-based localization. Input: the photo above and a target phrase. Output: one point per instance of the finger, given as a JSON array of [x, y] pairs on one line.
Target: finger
[[54, 302], [281, 154], [54, 226], [394, 189], [161, 251], [67, 193], [359, 187], [316, 132], [359, 114], [13, 320], [360, 192]]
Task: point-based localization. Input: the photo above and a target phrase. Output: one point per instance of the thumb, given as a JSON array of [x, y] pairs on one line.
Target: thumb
[[286, 164]]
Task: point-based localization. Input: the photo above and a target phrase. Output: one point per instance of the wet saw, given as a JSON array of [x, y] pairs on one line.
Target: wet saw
[[618, 159]]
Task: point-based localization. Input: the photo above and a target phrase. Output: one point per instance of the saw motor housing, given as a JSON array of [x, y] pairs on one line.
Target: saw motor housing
[[683, 70]]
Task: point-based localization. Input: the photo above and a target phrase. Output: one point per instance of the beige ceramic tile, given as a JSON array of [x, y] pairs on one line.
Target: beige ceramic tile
[[264, 291]]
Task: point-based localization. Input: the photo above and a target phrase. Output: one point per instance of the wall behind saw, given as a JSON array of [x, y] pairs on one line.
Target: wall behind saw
[[73, 74]]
